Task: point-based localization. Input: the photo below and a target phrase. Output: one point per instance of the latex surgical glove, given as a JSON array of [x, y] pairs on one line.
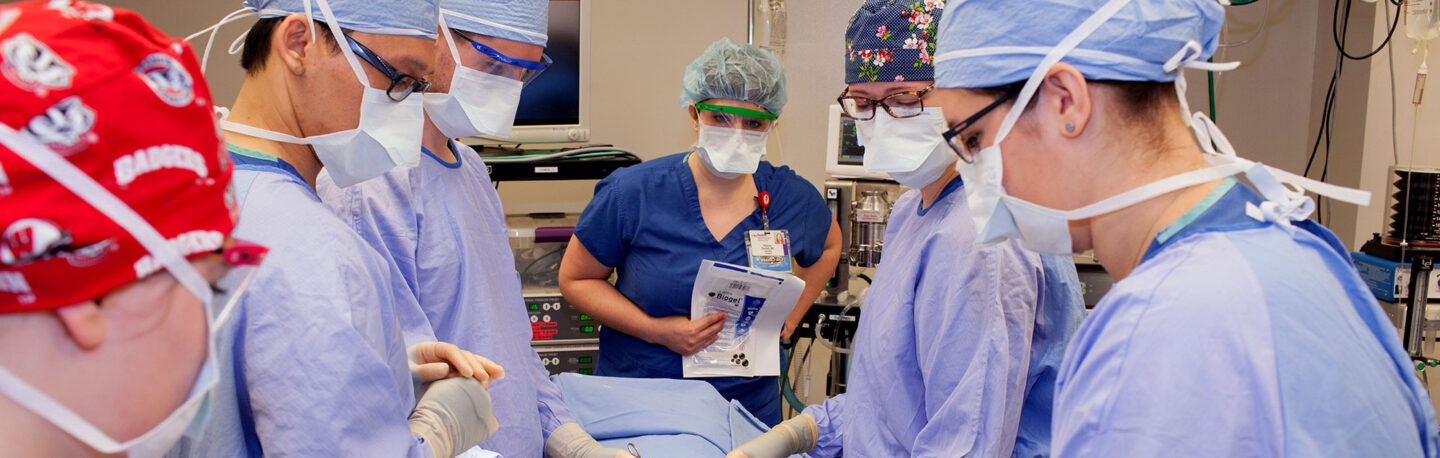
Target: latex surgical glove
[[571, 441], [431, 361], [454, 416], [796, 435], [682, 335]]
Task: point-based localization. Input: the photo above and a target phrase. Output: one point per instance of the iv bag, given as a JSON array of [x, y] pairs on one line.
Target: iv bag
[[1422, 19]]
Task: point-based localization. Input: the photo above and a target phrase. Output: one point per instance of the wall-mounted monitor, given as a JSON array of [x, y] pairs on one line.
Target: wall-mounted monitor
[[844, 157]]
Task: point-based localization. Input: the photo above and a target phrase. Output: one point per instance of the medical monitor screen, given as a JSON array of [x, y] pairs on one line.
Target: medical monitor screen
[[851, 153], [554, 97]]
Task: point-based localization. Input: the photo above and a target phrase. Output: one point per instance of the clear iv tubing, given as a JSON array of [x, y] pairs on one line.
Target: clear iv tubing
[[1422, 73], [860, 298]]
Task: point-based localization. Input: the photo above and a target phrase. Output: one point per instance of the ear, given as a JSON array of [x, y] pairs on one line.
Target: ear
[[1072, 103], [694, 117], [84, 323], [292, 42]]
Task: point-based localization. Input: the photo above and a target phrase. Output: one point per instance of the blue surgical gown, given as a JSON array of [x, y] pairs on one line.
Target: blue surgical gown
[[443, 226], [1237, 337], [645, 221], [316, 362], [958, 344]]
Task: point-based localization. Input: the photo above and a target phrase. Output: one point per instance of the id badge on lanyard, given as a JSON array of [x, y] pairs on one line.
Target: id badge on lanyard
[[768, 249]]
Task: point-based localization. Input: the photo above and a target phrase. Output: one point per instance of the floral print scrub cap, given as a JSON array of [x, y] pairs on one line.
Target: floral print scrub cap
[[892, 40]]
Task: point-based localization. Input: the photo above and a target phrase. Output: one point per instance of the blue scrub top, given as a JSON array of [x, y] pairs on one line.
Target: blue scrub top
[[959, 346], [645, 221], [1239, 337]]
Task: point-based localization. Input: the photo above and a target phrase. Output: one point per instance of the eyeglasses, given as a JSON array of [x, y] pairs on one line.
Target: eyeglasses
[[952, 135], [735, 117], [401, 84], [500, 64], [899, 105]]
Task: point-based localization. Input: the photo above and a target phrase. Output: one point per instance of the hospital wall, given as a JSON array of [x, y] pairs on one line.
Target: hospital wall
[[1270, 107], [1412, 138]]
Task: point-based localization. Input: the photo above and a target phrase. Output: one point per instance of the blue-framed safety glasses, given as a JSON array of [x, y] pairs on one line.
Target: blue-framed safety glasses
[[500, 64]]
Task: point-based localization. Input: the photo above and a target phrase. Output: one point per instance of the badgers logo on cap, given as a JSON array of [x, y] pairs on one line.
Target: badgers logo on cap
[[168, 79], [29, 239], [82, 10], [64, 127], [32, 66]]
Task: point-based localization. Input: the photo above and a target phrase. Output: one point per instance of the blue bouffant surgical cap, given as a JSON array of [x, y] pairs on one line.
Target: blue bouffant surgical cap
[[730, 71], [989, 43], [892, 40], [525, 21], [411, 18]]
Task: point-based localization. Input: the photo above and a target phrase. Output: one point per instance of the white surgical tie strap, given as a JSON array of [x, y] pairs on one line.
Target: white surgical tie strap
[[1072, 40], [36, 401], [340, 37], [69, 176], [449, 37], [214, 29], [1188, 56]]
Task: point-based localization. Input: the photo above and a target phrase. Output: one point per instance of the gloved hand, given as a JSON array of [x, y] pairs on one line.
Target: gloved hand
[[796, 435], [571, 441], [454, 416], [431, 361]]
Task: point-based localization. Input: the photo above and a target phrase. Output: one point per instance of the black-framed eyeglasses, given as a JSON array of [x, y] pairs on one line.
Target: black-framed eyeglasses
[[958, 144], [900, 105], [401, 84]]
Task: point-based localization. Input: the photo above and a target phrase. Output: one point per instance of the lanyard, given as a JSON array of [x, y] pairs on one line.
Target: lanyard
[[764, 199]]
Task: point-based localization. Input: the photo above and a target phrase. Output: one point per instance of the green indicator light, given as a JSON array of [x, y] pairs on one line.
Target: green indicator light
[[585, 317], [587, 329], [534, 307], [586, 360], [587, 371]]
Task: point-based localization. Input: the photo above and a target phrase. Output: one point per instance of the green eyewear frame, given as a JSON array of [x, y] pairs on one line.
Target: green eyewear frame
[[736, 111]]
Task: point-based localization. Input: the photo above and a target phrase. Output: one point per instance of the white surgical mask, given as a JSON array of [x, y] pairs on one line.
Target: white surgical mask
[[194, 411], [999, 216], [730, 152], [389, 133], [911, 150], [478, 103]]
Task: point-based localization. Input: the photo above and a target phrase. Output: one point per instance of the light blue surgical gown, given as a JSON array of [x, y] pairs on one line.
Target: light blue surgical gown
[[315, 364], [1237, 337], [443, 226], [958, 344]]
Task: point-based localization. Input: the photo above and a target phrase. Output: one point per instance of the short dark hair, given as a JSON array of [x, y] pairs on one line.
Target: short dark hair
[[1143, 100], [257, 42]]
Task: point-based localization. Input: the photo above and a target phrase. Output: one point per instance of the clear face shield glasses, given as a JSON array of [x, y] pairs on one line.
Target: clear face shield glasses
[[496, 63]]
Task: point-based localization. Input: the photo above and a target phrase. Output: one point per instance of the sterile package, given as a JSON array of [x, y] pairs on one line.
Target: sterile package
[[756, 303]]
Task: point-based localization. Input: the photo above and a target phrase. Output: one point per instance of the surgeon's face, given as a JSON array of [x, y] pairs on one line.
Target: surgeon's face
[[475, 60], [1033, 170], [328, 93]]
